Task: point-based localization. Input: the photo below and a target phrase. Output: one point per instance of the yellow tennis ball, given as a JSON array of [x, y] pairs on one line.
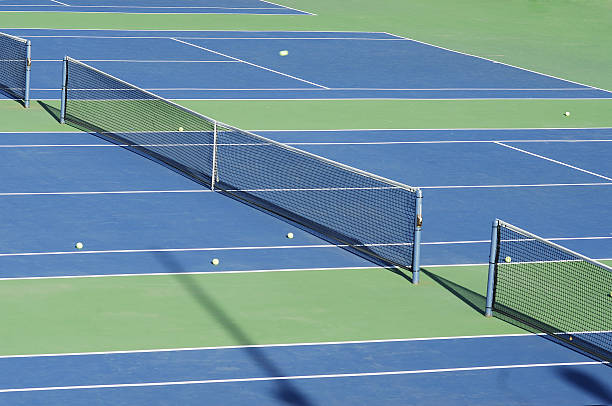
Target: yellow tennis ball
[[181, 129], [566, 114], [215, 261], [289, 235], [78, 245], [508, 259], [284, 52]]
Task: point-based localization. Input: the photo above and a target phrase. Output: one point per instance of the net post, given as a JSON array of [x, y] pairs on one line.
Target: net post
[[492, 263], [418, 226], [64, 91], [213, 175], [26, 100]]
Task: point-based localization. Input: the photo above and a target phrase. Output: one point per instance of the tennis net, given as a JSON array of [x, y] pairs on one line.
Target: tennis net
[[551, 289], [369, 215], [15, 65]]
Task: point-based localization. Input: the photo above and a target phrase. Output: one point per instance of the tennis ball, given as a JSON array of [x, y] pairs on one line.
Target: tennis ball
[[508, 259], [78, 245], [289, 235], [566, 114], [181, 129], [283, 52], [215, 261]]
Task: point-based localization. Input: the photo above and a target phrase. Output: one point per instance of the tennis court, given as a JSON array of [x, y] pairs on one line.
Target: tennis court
[[289, 315], [255, 7]]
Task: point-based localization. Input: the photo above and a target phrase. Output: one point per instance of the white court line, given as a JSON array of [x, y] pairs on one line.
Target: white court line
[[145, 7], [194, 30], [301, 377], [213, 38], [553, 160], [59, 2], [272, 247], [127, 192], [132, 13], [514, 186], [306, 344], [249, 63], [129, 60], [309, 143], [483, 129], [501, 63], [254, 271], [286, 89], [290, 8]]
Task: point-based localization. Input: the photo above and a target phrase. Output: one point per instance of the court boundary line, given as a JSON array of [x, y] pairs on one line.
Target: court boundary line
[[302, 377], [136, 13], [431, 129], [287, 7], [433, 142], [213, 38], [275, 345], [202, 273], [194, 30], [268, 247], [146, 7], [299, 89], [249, 63], [347, 129], [378, 98], [501, 63], [441, 187], [127, 60], [553, 160]]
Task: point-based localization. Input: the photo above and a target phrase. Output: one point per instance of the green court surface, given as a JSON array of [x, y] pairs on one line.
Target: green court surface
[[559, 37], [148, 312], [358, 114], [562, 38]]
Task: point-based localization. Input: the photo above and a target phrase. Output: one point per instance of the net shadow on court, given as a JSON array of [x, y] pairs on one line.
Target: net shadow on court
[[477, 302], [285, 390], [128, 145], [474, 300]]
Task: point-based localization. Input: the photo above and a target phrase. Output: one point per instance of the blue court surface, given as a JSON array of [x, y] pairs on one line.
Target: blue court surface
[[66, 187], [320, 65], [456, 371], [69, 185], [59, 188], [255, 7]]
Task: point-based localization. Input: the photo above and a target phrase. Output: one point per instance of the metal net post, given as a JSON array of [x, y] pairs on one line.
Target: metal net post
[[418, 227], [64, 91], [26, 101], [492, 263], [214, 175]]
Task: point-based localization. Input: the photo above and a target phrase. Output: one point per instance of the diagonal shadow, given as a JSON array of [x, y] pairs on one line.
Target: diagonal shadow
[[475, 300], [6, 92], [478, 302], [285, 390], [403, 272], [51, 110], [588, 383]]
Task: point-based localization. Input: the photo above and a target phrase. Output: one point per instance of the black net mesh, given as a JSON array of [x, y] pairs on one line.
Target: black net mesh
[[554, 291], [13, 66], [366, 213]]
